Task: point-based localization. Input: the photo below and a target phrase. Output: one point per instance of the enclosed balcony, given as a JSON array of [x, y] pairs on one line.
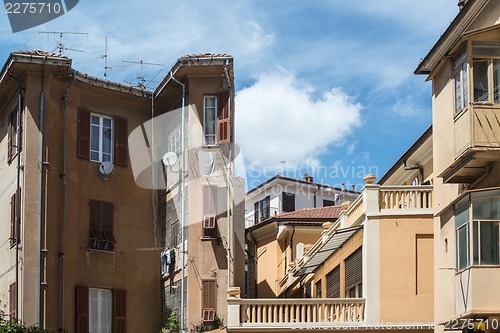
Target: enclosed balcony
[[477, 143]]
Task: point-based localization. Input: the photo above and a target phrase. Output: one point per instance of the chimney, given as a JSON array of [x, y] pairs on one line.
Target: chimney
[[308, 178], [353, 188], [343, 186], [462, 3]]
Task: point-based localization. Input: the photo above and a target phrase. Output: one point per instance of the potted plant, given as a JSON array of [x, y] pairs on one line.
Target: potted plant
[[173, 324]]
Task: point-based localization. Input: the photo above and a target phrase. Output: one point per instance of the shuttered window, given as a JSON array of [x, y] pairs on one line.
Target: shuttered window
[[102, 138], [209, 300], [101, 235], [119, 311], [288, 202], [209, 212], [12, 134], [12, 301], [333, 283], [223, 117], [100, 303], [15, 200], [354, 269], [319, 289]]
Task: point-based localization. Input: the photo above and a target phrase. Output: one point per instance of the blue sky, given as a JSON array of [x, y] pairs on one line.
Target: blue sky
[[325, 86]]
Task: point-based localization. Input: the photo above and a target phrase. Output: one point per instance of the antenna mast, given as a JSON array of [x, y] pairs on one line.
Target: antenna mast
[[141, 79], [60, 45]]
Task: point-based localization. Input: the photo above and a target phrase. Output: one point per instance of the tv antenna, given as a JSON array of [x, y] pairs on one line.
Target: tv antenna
[[141, 80], [60, 46]]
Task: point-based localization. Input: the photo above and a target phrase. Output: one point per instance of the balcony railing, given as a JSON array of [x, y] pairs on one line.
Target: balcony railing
[[250, 217], [296, 313], [405, 197]]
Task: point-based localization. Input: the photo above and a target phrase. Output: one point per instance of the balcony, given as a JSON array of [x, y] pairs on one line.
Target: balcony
[[477, 292], [250, 217], [301, 313], [391, 200], [476, 142]]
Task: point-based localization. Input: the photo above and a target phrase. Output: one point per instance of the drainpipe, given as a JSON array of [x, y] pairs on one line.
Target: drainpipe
[[229, 213], [41, 166], [18, 181], [255, 263], [183, 199], [63, 208]]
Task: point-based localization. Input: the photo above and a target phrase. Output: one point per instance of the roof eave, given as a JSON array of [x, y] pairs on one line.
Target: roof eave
[[450, 37]]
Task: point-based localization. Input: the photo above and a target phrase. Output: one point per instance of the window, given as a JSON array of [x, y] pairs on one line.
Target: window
[[12, 301], [210, 108], [12, 133], [102, 138], [262, 209], [217, 118], [333, 283], [209, 212], [101, 225], [288, 202], [209, 300], [486, 72], [477, 221], [354, 274], [15, 221], [100, 310], [327, 203], [319, 291], [174, 141], [460, 69], [171, 230]]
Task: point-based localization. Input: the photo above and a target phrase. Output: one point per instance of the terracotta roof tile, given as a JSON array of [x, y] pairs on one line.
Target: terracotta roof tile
[[330, 212]]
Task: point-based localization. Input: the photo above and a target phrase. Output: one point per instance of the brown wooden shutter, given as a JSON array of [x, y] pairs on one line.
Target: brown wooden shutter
[[12, 301], [333, 283], [287, 202], [256, 213], [121, 148], [319, 293], [223, 117], [209, 295], [10, 134], [354, 269], [83, 134], [119, 311], [82, 309]]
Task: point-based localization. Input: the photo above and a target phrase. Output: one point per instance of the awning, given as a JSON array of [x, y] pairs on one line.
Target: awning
[[336, 240]]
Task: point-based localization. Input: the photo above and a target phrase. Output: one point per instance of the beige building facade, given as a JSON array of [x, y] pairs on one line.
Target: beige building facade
[[463, 67], [93, 205]]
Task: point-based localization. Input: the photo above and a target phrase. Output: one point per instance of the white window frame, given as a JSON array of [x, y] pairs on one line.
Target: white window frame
[[100, 138], [207, 138], [461, 69], [174, 141], [101, 323]]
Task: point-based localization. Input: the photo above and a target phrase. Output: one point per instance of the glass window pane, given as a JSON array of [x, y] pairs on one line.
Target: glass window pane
[[475, 244], [465, 76], [106, 141], [106, 122], [486, 49], [480, 67], [458, 92], [486, 209], [94, 156], [463, 247], [94, 137], [489, 243], [95, 120], [485, 194], [462, 212], [496, 80]]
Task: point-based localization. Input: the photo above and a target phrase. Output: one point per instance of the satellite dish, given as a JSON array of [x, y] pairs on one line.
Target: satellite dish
[[338, 197], [105, 168], [169, 159]]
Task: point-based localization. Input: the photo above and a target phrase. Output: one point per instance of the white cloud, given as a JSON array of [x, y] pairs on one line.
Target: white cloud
[[278, 118]]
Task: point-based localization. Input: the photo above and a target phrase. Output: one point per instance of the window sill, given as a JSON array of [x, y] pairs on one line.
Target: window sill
[[101, 251], [461, 270]]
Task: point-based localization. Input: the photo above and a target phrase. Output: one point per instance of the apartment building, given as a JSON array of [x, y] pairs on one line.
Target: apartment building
[[96, 186], [280, 241], [372, 269], [281, 194], [463, 67]]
